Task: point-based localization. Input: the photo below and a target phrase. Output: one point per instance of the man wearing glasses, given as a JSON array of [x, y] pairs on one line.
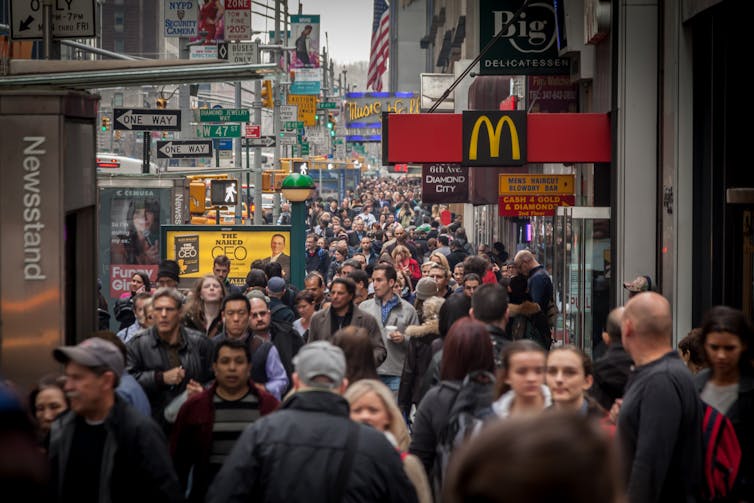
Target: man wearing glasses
[[169, 358]]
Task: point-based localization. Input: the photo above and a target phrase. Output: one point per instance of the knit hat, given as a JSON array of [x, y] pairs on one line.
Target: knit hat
[[169, 269], [425, 288]]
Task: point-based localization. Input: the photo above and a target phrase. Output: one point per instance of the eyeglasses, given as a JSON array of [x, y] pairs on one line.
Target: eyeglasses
[[259, 314]]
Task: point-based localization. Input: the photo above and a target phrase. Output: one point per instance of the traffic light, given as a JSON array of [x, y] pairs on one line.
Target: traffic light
[[105, 125], [267, 99], [331, 124], [197, 195], [162, 103]]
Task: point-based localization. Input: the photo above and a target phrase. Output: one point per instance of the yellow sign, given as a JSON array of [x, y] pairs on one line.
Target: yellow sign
[[494, 137], [307, 107], [196, 247], [516, 184]]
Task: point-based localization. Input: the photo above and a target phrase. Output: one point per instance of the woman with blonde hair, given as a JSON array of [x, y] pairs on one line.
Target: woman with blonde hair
[[203, 309], [438, 257], [373, 403], [403, 262]]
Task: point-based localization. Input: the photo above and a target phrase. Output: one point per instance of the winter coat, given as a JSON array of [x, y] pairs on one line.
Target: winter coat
[[148, 359], [528, 311], [295, 455], [418, 358], [135, 462]]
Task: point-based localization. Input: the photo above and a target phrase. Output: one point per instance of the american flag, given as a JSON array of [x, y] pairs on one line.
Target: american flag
[[380, 50]]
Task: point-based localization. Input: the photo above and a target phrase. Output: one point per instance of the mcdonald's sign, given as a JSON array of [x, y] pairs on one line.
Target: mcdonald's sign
[[484, 143]]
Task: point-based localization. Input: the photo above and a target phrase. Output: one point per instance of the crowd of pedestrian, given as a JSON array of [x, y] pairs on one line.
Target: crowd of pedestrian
[[413, 366]]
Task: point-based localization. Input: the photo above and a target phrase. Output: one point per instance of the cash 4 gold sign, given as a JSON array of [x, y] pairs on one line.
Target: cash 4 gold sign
[[494, 138]]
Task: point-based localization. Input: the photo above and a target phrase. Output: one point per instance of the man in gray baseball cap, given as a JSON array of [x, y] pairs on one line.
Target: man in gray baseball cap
[[320, 365], [100, 425], [345, 460]]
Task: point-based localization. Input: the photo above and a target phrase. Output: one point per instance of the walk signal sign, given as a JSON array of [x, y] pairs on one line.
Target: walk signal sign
[[224, 192]]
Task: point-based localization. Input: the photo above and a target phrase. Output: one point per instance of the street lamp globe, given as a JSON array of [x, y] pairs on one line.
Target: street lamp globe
[[297, 188]]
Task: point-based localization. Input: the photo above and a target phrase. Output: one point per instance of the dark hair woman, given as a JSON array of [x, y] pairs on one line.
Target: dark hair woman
[[467, 348], [357, 347], [728, 384]]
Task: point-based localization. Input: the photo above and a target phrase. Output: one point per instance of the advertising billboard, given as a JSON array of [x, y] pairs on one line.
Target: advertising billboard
[[195, 248], [305, 33]]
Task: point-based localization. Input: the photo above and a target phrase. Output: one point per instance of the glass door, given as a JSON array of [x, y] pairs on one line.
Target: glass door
[[581, 271]]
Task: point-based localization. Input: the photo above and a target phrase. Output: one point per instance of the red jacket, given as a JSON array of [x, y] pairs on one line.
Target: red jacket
[[191, 436]]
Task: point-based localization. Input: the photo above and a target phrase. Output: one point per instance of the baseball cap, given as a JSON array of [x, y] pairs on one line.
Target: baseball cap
[[93, 352], [320, 359], [639, 284], [425, 288], [276, 284]]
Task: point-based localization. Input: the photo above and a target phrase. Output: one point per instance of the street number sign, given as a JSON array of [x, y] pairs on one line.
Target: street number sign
[[219, 131], [327, 105]]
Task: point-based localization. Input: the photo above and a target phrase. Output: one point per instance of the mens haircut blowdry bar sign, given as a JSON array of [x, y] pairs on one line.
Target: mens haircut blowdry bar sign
[[445, 183]]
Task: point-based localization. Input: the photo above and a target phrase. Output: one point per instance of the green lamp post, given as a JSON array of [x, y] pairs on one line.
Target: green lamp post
[[297, 188]]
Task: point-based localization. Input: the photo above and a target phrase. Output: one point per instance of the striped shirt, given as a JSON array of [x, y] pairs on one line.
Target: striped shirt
[[231, 418]]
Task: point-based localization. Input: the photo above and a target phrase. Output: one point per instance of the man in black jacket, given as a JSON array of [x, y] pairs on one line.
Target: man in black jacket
[[310, 450], [102, 449], [611, 371], [660, 421]]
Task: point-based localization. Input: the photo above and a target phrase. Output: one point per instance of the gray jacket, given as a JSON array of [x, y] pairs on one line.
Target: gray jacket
[[148, 357], [402, 315], [320, 329]]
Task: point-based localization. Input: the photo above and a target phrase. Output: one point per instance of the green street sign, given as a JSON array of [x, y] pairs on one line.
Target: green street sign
[[304, 149], [219, 131], [325, 105], [293, 125], [221, 115]]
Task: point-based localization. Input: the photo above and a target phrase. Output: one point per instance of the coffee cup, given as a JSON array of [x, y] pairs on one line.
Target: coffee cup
[[391, 328]]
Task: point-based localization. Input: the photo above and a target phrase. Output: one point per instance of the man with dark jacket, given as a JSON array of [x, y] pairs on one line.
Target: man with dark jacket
[[102, 449], [282, 334], [169, 358], [612, 370], [489, 304], [317, 259], [310, 450], [342, 312], [210, 422], [660, 421], [540, 284]]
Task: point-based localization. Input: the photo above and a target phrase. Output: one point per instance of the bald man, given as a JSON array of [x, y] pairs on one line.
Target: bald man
[[660, 422], [540, 284]]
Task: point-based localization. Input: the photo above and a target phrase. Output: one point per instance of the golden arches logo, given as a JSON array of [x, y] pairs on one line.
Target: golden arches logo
[[494, 137]]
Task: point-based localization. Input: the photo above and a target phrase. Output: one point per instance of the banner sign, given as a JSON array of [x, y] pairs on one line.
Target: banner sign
[[528, 46], [502, 135], [305, 32], [195, 248], [445, 183], [523, 195]]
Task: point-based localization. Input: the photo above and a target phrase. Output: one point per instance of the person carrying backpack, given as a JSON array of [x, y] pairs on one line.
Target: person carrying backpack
[[728, 387], [525, 318], [453, 409]]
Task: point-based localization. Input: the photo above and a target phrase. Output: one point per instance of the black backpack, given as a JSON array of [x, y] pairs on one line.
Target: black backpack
[[470, 409]]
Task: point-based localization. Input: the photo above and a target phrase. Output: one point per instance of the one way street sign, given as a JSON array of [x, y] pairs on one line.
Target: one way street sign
[[183, 149], [139, 119], [264, 141]]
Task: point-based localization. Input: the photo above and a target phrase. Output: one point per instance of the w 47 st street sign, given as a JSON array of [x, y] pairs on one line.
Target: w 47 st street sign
[[140, 119], [219, 131]]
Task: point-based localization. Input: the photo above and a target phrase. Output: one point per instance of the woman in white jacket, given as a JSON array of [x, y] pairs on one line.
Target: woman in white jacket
[[521, 382]]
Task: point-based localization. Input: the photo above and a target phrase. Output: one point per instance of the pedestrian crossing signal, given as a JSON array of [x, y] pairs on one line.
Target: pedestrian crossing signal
[[224, 192]]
